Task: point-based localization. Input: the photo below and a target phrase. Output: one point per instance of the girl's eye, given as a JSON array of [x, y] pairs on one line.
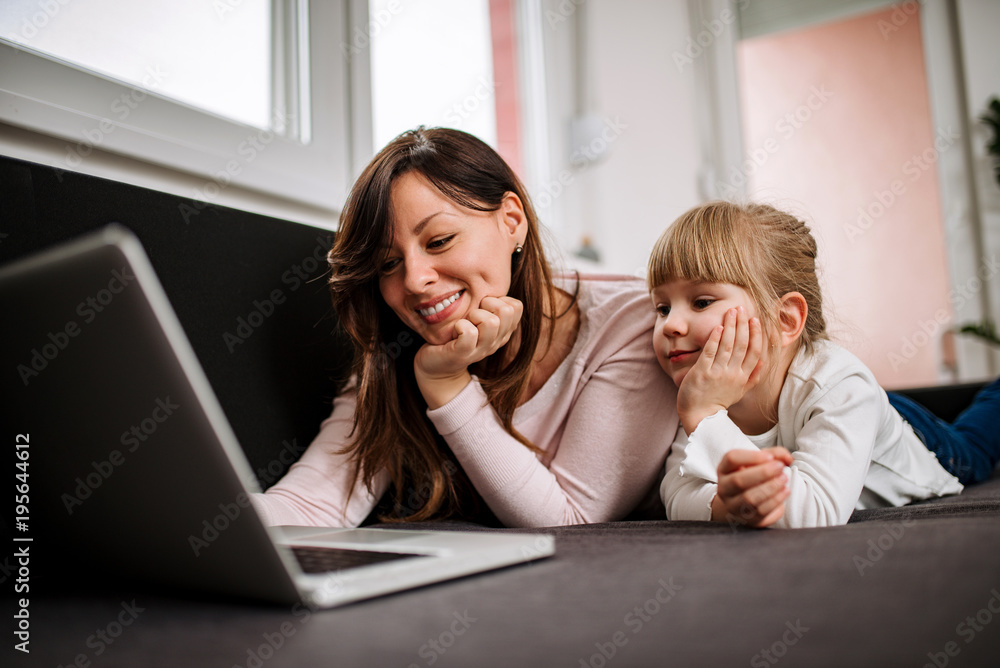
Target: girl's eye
[[703, 303], [662, 310], [440, 243]]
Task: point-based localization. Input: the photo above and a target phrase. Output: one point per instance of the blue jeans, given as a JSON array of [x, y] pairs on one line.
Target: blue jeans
[[968, 448]]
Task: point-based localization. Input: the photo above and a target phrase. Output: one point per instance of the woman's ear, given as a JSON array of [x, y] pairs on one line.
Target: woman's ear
[[792, 313], [513, 219]]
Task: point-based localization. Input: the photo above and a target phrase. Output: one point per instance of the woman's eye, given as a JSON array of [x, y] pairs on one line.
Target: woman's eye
[[440, 243], [389, 265]]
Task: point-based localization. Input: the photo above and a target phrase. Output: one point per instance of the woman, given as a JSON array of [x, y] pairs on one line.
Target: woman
[[476, 375]]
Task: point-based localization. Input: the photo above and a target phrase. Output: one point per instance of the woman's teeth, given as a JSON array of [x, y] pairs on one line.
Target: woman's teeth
[[440, 306]]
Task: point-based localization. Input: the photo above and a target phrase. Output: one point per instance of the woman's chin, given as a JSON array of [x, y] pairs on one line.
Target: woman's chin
[[438, 334]]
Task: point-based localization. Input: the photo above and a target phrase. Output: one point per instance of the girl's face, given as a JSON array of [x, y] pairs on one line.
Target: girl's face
[[444, 257], [686, 313]]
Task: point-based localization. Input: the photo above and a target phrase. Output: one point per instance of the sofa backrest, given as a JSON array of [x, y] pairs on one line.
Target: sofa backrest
[[249, 290]]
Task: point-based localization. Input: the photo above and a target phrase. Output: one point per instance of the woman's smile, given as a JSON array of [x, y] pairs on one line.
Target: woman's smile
[[440, 310]]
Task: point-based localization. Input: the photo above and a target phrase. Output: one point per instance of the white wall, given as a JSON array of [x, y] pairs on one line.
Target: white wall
[[979, 22], [644, 110]]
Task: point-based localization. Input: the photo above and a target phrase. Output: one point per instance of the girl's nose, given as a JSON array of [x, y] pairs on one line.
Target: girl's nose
[[674, 324]]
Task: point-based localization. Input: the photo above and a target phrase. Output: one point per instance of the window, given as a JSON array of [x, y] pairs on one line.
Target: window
[[256, 93], [212, 56], [432, 65], [289, 98]]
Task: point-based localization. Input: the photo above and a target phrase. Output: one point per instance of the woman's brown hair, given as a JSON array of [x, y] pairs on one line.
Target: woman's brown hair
[[391, 429]]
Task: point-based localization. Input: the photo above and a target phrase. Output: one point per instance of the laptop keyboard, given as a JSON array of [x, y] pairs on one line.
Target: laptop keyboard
[[324, 559]]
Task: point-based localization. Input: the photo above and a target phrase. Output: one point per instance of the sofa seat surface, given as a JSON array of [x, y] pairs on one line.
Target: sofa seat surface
[[895, 587]]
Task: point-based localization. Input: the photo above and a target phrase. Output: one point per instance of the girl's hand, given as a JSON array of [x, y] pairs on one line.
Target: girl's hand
[[752, 487], [728, 367], [442, 371]]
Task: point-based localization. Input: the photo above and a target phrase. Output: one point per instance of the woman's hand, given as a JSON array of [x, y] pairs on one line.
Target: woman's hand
[[752, 487], [442, 371], [728, 367]]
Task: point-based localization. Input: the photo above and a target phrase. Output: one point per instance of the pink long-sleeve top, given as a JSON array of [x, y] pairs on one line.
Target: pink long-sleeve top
[[604, 422]]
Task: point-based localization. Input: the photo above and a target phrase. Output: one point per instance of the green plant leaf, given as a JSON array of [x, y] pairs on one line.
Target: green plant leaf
[[985, 330]]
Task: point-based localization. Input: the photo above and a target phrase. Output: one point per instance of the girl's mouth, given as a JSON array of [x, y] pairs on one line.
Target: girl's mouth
[[680, 355], [441, 310]]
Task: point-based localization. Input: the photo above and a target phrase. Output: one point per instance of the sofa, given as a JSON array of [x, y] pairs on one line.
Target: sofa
[[911, 586]]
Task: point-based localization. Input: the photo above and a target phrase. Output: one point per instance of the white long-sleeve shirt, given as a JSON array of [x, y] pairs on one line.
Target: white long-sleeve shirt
[[851, 448], [604, 422]]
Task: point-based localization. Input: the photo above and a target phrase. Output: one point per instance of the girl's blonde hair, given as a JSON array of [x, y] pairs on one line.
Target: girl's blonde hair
[[766, 252]]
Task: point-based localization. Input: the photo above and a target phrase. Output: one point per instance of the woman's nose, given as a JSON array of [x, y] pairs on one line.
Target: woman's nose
[[419, 272]]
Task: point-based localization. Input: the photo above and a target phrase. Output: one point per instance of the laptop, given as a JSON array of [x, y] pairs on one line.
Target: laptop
[[130, 460]]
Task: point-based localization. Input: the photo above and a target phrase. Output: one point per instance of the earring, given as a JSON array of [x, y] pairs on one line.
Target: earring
[[518, 249]]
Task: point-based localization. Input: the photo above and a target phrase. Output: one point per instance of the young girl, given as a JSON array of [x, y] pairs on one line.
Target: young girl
[[779, 426]]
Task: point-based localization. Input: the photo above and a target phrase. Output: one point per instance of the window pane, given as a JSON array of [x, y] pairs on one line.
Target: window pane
[[432, 64], [215, 56]]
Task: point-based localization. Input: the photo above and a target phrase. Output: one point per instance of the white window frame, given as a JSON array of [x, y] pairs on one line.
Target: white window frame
[[331, 97]]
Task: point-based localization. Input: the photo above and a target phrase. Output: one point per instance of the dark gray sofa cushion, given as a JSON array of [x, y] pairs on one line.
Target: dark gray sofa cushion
[[888, 589], [274, 365]]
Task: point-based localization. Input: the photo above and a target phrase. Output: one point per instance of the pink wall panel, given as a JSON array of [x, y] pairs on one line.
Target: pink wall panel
[[837, 128]]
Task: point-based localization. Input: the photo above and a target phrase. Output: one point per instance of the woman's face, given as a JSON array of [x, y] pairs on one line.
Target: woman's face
[[444, 257]]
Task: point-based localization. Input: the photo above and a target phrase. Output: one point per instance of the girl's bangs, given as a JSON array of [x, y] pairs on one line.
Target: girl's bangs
[[694, 250]]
